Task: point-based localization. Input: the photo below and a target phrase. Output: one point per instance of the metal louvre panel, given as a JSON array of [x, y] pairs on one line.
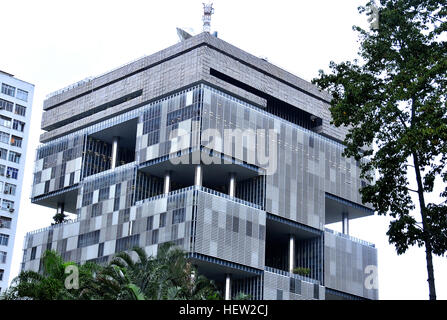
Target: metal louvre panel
[[234, 246]]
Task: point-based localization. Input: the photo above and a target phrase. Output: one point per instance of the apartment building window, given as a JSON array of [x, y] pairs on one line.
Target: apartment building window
[[87, 199], [5, 222], [12, 173], [178, 216], [103, 194], [150, 223], [154, 239], [10, 189], [20, 110], [8, 90], [162, 220], [6, 105], [33, 253], [2, 170], [1, 274], [7, 205], [3, 256], [14, 157], [5, 122], [101, 249], [18, 125], [127, 243], [4, 239], [96, 210], [3, 153], [4, 137], [16, 141], [88, 239], [22, 95]]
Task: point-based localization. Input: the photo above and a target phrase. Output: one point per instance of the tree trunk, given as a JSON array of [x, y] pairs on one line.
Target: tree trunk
[[426, 230]]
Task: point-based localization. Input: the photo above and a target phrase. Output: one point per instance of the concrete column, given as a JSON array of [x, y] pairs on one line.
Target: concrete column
[[232, 185], [228, 286], [167, 182], [291, 253], [345, 223], [60, 207], [198, 175], [114, 152]]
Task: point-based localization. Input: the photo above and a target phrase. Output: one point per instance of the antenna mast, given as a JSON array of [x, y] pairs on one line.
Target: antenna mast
[[208, 10]]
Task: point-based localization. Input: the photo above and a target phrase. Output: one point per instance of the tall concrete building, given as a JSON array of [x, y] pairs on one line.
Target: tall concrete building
[[220, 152], [16, 99]]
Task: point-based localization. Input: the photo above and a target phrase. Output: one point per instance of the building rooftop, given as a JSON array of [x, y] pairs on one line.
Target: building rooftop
[[203, 39]]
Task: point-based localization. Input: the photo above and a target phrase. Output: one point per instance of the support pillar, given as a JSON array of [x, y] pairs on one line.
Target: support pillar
[[228, 286], [198, 176], [167, 183], [345, 223], [114, 152], [60, 208], [291, 253], [232, 185]]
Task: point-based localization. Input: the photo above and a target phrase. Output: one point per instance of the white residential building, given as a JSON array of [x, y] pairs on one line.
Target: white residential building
[[16, 98]]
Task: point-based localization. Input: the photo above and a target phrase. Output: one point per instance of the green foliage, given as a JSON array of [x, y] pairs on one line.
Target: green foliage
[[393, 102], [59, 218], [302, 271], [169, 276]]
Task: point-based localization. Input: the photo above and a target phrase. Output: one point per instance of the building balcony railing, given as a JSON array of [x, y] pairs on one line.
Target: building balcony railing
[[291, 275], [203, 189], [354, 239], [54, 226]]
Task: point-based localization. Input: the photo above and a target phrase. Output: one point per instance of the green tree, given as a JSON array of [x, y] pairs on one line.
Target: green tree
[[59, 218], [50, 283], [393, 102], [169, 275]]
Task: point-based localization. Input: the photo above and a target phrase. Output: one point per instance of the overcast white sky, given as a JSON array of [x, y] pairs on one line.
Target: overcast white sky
[[55, 43]]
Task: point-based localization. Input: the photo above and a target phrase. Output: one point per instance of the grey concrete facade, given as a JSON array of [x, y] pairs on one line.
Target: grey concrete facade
[[162, 107]]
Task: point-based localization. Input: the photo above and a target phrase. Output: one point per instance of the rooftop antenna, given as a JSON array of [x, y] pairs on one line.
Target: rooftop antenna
[[208, 10]]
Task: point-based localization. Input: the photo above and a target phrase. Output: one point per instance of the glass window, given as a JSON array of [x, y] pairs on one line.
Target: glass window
[[5, 121], [7, 205], [154, 239], [127, 243], [10, 189], [162, 220], [18, 125], [178, 216], [22, 95], [150, 223], [4, 137], [9, 90], [14, 157], [3, 153], [5, 222], [6, 105], [33, 253], [16, 141], [87, 199], [103, 194], [4, 239], [88, 239], [20, 110], [2, 170], [3, 256], [96, 209], [1, 274], [12, 173]]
